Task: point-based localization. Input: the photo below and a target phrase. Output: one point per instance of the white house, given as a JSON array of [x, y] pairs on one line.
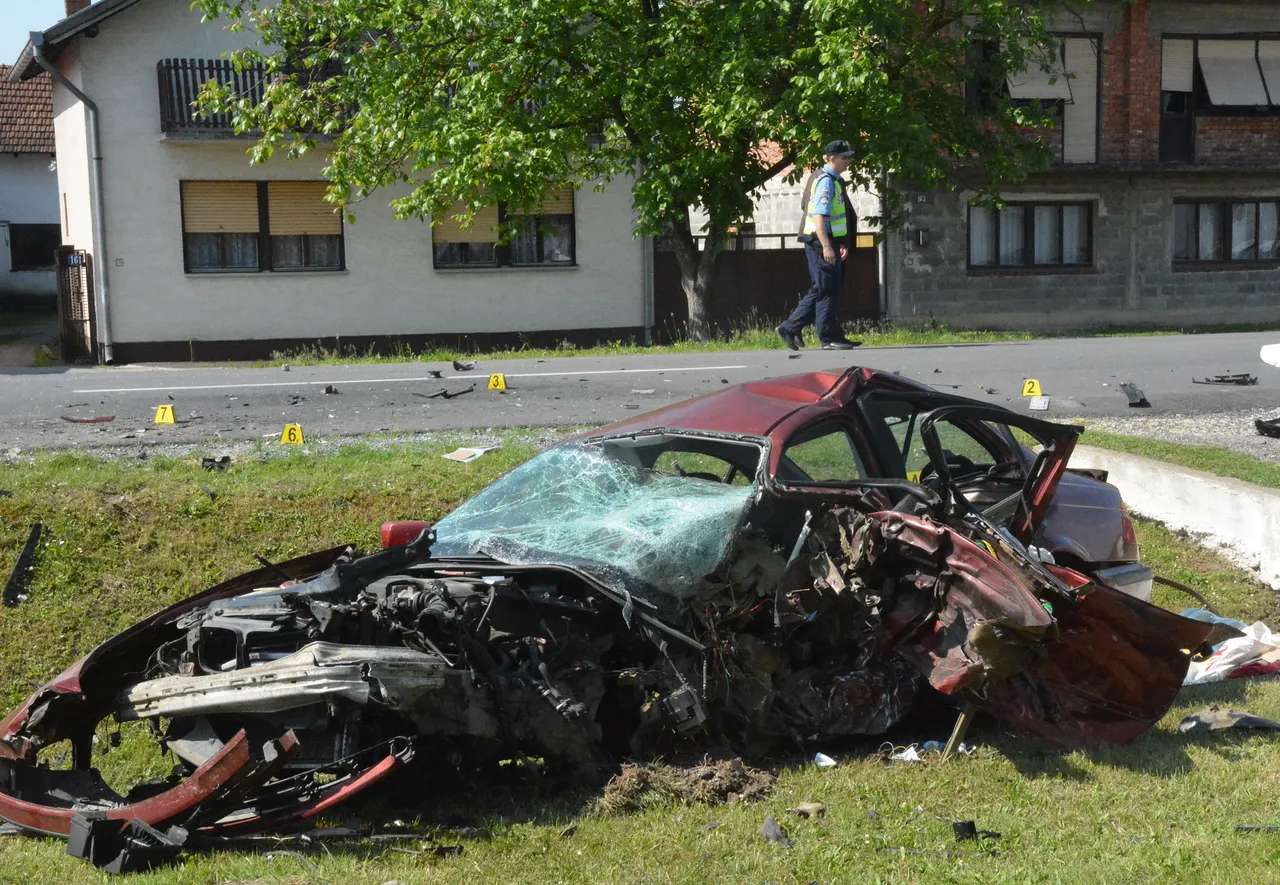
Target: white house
[[196, 254], [29, 228]]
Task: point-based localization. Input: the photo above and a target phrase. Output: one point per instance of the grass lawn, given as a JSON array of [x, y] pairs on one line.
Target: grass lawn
[[126, 537], [1211, 459], [756, 335]]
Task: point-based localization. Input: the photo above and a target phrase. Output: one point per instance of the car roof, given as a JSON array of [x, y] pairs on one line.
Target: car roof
[[757, 407]]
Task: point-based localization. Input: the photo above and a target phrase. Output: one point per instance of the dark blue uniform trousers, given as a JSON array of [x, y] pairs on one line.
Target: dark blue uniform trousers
[[822, 301]]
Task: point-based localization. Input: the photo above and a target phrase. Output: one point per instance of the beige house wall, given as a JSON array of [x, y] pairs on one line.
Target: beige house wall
[[389, 286]]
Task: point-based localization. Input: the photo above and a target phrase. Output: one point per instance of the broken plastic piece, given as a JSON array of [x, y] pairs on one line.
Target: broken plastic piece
[[1268, 428], [101, 419], [330, 389], [1215, 720], [774, 832], [20, 577], [1137, 400], [463, 367], [809, 809], [966, 830], [466, 456], [822, 760], [216, 463]]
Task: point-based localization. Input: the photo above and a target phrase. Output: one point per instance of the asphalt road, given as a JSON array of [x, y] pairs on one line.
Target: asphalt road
[[1081, 377]]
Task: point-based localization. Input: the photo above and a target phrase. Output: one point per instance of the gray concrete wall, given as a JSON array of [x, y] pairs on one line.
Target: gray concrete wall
[[1131, 283], [1239, 518]]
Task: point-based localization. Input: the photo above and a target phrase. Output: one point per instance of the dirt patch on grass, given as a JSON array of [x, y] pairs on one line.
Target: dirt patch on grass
[[708, 783]]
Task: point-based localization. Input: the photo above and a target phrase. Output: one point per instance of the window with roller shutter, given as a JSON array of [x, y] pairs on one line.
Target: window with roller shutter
[[542, 236], [257, 226]]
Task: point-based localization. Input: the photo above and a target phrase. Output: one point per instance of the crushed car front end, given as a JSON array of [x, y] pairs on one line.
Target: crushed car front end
[[624, 594]]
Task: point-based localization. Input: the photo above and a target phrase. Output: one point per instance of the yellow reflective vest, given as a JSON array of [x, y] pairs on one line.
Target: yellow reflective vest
[[839, 208]]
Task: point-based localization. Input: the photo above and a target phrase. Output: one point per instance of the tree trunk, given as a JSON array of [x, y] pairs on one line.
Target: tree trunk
[[697, 270]]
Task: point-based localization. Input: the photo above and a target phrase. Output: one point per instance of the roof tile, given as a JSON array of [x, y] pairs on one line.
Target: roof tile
[[26, 115]]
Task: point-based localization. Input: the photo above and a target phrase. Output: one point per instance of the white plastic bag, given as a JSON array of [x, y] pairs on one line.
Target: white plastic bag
[[1256, 641]]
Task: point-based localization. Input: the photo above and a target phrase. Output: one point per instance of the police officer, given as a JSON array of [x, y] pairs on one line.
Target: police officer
[[826, 233]]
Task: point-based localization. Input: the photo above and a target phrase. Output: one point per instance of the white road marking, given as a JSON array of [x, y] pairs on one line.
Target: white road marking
[[406, 380]]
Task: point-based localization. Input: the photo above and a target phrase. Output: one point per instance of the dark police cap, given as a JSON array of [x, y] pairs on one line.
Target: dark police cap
[[838, 148]]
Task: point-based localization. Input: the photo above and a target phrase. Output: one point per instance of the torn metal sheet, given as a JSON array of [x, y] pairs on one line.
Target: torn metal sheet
[[1242, 379]]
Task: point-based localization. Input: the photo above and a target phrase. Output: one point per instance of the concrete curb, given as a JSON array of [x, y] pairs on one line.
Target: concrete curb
[[1241, 518]]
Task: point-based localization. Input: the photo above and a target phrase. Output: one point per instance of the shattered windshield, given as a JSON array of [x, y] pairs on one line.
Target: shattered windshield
[[605, 508]]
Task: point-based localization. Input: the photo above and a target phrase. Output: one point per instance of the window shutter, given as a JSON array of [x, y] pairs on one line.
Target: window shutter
[[215, 207], [558, 201], [1269, 59], [1231, 73], [299, 207], [483, 230], [1177, 65], [1034, 82], [1080, 118]]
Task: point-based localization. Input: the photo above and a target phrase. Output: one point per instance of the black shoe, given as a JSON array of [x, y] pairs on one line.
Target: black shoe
[[840, 345], [792, 341]]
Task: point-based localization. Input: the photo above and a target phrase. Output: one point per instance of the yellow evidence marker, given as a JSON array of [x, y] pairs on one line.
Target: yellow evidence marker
[[913, 476], [292, 434], [497, 382], [164, 415], [1031, 387]]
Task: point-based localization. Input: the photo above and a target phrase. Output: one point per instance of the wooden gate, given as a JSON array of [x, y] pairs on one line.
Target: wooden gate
[[759, 282], [75, 304]]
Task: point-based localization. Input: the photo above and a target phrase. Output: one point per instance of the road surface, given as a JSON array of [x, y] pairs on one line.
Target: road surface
[[1080, 376]]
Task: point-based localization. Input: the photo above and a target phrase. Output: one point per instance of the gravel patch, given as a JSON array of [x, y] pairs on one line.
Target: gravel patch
[[1229, 430]]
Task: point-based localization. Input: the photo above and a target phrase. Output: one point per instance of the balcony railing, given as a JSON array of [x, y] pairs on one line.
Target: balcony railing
[[181, 80]]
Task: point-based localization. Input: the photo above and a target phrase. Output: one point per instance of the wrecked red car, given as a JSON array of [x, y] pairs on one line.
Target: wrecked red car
[[744, 569]]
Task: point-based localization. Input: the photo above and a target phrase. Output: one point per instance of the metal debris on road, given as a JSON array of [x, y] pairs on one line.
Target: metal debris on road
[[101, 419], [15, 590], [630, 406], [330, 389], [74, 405], [435, 373], [1240, 378], [1137, 400], [463, 367], [646, 391]]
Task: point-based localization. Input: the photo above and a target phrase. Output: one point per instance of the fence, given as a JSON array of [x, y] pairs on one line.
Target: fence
[[760, 278]]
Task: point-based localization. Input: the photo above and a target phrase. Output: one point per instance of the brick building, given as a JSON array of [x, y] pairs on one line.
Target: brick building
[[1162, 206]]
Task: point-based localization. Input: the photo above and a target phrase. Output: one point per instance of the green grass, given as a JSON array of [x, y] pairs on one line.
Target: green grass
[[755, 334], [1211, 459], [126, 537]]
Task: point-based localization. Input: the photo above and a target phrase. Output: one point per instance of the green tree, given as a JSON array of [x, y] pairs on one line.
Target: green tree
[[469, 102]]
